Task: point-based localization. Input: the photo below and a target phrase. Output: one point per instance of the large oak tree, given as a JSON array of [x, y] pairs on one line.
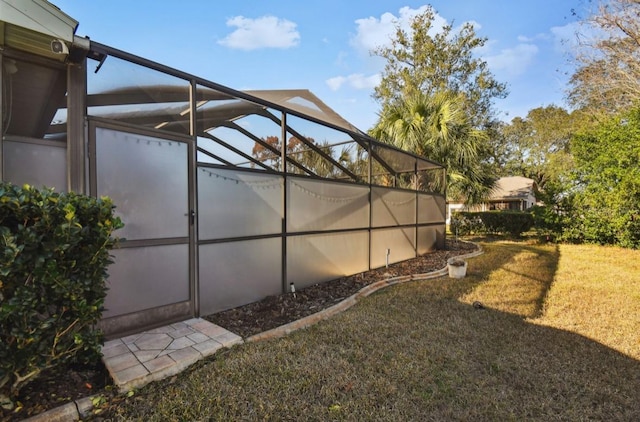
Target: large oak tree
[[607, 79], [436, 99], [429, 60], [537, 146]]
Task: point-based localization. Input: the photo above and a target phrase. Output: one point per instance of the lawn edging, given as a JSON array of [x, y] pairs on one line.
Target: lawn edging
[[347, 303], [73, 411]]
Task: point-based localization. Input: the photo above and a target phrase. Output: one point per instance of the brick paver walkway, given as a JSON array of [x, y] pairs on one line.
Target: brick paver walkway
[[152, 355]]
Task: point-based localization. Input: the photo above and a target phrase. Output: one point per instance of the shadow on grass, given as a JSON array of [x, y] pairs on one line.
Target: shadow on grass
[[409, 352], [516, 274], [489, 364]]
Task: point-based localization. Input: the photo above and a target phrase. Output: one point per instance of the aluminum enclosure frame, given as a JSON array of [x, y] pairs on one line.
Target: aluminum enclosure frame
[[371, 197]]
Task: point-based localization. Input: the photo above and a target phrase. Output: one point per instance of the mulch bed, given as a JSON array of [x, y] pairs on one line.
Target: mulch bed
[[61, 385], [58, 386]]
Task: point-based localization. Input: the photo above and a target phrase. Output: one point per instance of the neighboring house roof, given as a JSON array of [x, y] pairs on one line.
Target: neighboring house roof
[[510, 188]]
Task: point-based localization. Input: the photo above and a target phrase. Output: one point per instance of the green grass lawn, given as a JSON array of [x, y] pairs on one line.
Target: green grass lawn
[[558, 339]]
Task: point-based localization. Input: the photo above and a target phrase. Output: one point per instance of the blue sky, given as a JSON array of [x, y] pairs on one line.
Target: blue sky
[[324, 45]]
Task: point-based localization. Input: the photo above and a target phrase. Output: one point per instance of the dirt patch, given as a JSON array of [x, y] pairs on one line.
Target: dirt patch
[[58, 386]]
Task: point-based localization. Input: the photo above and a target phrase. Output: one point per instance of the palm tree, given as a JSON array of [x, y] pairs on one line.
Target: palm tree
[[436, 127]]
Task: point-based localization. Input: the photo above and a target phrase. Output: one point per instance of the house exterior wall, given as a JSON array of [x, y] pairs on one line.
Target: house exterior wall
[[522, 200]]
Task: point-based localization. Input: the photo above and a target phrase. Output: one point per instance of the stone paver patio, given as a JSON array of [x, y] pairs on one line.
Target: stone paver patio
[[139, 359]]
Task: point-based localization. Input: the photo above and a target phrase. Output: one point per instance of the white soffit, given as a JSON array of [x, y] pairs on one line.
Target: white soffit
[[39, 16]]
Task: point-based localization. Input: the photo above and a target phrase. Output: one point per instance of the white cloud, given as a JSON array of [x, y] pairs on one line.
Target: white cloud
[[579, 39], [565, 38], [348, 101], [263, 32], [513, 61], [336, 82], [475, 25], [525, 39], [377, 32], [355, 80], [341, 60]]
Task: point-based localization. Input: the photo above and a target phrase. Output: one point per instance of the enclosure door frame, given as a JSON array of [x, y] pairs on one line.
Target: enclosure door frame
[[171, 312]]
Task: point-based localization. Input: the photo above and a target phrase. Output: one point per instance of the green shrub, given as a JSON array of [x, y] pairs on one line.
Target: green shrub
[[53, 267], [465, 223], [604, 227], [513, 223], [607, 182]]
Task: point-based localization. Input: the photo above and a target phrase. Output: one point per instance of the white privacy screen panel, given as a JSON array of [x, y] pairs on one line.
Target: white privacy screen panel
[[237, 273], [428, 238], [147, 178], [35, 164], [236, 204], [392, 207], [399, 244], [321, 257], [431, 209], [147, 277], [320, 205]]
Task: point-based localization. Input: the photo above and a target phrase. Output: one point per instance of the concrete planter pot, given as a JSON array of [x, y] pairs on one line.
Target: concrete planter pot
[[457, 267]]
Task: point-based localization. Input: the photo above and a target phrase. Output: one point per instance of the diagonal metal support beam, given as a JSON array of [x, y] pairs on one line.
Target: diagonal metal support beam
[[235, 150], [215, 157], [312, 146], [233, 125]]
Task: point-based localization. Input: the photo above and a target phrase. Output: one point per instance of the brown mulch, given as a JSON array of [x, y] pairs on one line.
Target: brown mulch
[[274, 311], [57, 387]]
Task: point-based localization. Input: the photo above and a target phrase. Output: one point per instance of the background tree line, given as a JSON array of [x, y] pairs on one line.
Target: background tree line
[[436, 99]]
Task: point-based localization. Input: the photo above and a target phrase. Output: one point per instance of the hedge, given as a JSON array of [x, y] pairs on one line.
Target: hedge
[[513, 223], [53, 268]]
